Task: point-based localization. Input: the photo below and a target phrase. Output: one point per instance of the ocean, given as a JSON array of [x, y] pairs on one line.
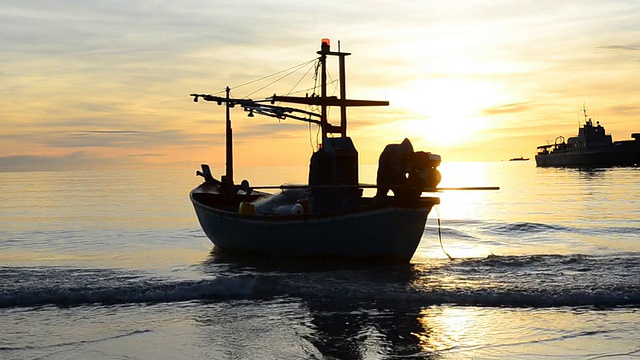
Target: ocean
[[98, 264]]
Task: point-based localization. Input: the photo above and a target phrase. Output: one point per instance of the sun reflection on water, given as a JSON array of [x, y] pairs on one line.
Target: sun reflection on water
[[448, 328], [462, 204]]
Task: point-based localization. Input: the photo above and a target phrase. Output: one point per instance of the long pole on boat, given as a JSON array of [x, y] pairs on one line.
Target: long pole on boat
[[324, 49], [371, 186], [229, 140], [343, 92]]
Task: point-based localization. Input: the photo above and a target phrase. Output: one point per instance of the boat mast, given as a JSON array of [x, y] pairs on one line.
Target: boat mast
[[325, 101], [229, 140], [280, 112], [343, 93], [325, 49]]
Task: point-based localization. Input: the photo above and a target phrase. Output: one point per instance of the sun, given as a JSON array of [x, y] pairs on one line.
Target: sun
[[445, 112]]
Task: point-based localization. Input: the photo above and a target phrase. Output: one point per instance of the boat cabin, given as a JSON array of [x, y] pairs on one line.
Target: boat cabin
[[590, 137]]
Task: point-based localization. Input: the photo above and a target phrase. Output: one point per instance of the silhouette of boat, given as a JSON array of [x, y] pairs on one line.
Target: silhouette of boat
[[519, 159], [592, 147], [328, 217]]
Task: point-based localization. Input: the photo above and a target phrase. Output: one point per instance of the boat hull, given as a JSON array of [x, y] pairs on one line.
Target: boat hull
[[590, 158], [390, 233]]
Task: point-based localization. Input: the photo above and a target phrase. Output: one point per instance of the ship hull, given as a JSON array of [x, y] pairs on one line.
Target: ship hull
[[590, 158], [389, 233]]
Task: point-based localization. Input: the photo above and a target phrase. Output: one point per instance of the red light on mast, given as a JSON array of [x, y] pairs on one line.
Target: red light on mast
[[325, 45]]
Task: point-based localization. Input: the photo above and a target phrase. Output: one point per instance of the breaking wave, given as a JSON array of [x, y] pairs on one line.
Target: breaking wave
[[495, 281]]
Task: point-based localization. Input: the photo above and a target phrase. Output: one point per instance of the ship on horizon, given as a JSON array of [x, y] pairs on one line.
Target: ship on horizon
[[592, 147]]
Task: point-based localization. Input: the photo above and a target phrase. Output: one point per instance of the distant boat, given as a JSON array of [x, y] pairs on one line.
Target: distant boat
[[329, 217], [519, 159], [592, 147]]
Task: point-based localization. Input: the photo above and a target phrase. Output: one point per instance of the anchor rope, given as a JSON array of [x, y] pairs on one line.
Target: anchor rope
[[440, 234]]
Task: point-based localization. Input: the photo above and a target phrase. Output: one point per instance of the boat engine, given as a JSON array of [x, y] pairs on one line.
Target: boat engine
[[405, 172], [423, 172]]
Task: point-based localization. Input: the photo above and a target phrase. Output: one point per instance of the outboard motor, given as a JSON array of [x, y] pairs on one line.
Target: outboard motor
[[423, 173], [405, 172]]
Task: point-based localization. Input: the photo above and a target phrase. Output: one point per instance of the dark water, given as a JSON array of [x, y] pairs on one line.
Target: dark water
[[113, 265]]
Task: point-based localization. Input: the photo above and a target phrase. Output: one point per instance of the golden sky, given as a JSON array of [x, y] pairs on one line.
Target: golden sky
[[87, 84]]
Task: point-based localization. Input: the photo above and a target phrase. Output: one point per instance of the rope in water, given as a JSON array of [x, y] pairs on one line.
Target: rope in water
[[440, 235]]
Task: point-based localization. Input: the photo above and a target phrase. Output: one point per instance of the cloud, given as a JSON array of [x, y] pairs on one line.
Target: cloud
[[626, 109], [514, 108], [65, 139], [116, 75], [148, 155], [622, 47], [73, 161]]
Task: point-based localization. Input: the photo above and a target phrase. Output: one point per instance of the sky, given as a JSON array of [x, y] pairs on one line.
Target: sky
[[106, 84]]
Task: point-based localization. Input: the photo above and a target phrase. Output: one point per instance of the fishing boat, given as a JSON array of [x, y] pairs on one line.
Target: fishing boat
[[329, 216], [592, 147]]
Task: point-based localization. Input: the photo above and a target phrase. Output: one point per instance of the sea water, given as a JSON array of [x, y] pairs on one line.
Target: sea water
[[113, 265]]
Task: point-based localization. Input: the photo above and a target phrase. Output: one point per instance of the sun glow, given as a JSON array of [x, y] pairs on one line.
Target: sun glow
[[446, 112]]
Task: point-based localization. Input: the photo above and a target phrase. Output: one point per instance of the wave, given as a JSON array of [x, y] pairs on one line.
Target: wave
[[521, 228], [74, 343], [70, 287], [471, 282], [450, 232], [546, 260], [251, 287], [524, 227], [622, 230]]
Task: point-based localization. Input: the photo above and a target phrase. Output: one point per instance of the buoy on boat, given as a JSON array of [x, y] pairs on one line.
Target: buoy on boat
[[246, 208]]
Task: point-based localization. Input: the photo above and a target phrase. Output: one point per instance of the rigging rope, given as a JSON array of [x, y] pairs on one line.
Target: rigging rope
[[287, 72], [291, 69], [271, 83], [299, 81], [440, 234], [278, 72]]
